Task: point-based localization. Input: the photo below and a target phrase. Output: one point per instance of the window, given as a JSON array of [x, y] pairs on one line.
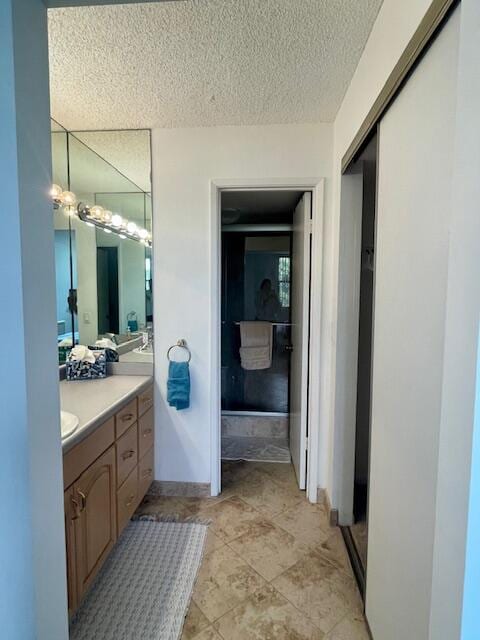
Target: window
[[284, 281]]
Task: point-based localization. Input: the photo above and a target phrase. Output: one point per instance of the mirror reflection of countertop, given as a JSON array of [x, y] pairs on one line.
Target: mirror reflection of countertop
[[94, 401], [137, 356]]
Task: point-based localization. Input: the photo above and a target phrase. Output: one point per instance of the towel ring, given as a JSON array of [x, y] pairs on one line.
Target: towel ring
[[181, 344]]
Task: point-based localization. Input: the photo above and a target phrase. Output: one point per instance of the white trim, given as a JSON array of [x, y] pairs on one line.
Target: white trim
[[316, 185], [348, 309], [315, 341]]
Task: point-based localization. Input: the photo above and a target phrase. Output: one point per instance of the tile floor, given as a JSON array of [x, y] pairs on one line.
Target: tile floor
[[273, 568], [256, 449]]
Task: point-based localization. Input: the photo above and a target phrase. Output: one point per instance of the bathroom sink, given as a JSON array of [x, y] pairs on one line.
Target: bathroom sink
[[69, 423], [148, 351]]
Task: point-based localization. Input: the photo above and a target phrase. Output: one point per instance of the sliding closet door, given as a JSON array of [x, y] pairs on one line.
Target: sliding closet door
[[414, 205]]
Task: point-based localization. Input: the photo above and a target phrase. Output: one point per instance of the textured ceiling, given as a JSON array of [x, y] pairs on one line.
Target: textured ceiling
[[204, 62]]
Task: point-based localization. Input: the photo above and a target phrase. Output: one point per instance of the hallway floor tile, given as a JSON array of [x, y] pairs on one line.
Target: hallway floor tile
[[273, 567]]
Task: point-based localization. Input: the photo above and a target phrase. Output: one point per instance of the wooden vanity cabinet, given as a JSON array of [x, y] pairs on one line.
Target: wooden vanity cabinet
[[71, 510], [95, 526], [105, 478]]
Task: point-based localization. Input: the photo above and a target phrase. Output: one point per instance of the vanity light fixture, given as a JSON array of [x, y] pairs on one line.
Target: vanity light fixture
[[69, 199], [56, 193], [97, 216], [96, 212], [117, 220], [122, 227], [107, 216]]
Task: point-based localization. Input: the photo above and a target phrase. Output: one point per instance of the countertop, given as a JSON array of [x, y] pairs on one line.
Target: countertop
[[94, 401]]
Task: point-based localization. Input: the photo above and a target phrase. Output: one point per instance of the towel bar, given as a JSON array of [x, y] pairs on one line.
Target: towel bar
[[180, 344]]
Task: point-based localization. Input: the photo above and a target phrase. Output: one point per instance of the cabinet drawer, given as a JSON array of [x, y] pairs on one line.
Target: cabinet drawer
[[126, 417], [145, 400], [127, 500], [145, 433], [127, 454], [86, 452], [145, 473]]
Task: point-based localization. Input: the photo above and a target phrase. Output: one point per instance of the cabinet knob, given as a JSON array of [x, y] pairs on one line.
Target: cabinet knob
[[146, 432], [126, 417], [128, 454]]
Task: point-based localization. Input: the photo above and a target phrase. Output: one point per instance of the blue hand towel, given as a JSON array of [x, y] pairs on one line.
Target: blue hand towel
[[178, 385]]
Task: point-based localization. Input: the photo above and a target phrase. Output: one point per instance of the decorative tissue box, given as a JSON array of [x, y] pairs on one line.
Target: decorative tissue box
[[81, 370]]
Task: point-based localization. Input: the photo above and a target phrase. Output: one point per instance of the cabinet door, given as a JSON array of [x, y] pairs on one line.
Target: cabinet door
[[95, 527], [71, 514]]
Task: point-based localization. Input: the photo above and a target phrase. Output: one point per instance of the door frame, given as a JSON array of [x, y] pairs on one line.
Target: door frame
[[316, 186]]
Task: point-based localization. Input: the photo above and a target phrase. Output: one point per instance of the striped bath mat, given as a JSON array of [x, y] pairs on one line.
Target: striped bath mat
[[144, 588]]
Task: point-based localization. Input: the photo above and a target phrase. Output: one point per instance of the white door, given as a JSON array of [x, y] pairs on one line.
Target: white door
[[300, 310], [416, 158]]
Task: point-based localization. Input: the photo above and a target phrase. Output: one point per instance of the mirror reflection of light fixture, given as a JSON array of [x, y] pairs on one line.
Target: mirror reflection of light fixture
[[69, 199], [117, 220], [56, 193], [97, 216]]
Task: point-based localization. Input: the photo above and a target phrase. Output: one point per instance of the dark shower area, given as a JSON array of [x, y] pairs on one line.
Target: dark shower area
[[255, 286]]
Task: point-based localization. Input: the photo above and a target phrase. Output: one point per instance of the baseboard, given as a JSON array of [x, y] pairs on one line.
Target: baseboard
[[324, 498], [180, 489]]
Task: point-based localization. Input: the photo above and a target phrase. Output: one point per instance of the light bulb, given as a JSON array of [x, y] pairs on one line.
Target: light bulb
[[120, 235], [107, 231], [107, 216], [68, 198], [70, 209], [117, 220], [90, 224], [143, 233], [96, 212], [131, 227], [56, 192]]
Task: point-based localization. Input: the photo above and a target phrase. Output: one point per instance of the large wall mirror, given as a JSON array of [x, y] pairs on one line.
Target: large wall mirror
[[103, 225]]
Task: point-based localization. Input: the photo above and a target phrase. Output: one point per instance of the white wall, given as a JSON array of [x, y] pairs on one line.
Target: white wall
[[411, 267], [32, 541], [184, 161], [348, 301], [458, 471], [395, 25]]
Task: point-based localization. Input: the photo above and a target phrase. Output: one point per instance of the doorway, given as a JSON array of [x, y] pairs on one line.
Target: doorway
[[107, 290], [265, 320]]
